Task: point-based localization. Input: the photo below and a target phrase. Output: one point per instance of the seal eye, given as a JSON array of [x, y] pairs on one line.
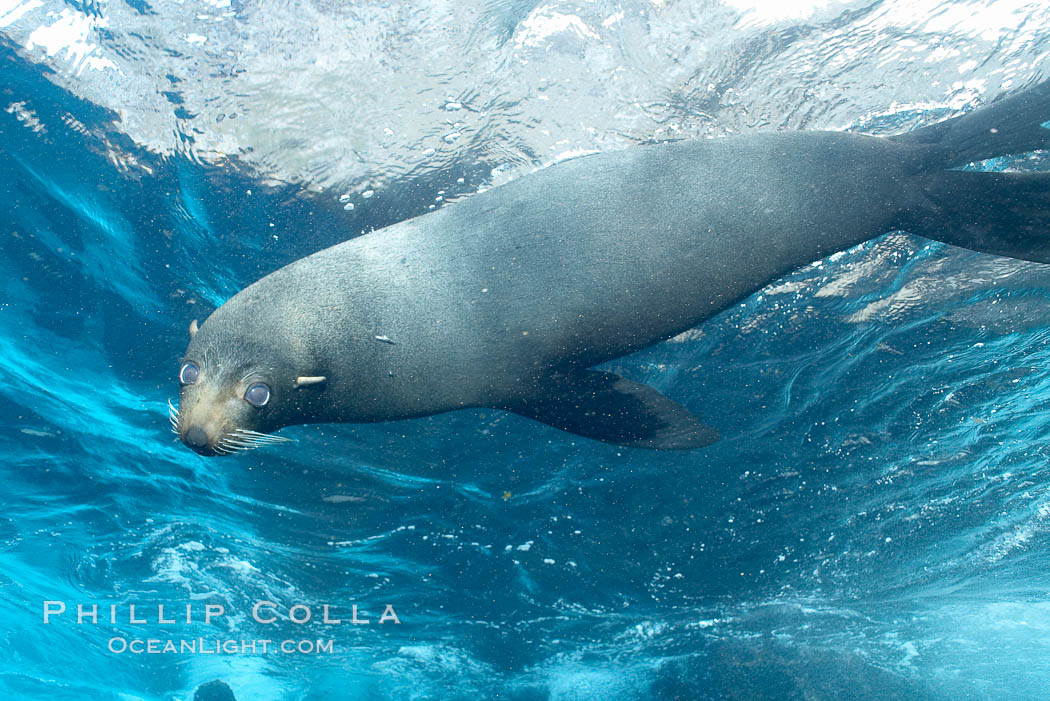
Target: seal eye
[[189, 373], [257, 395]]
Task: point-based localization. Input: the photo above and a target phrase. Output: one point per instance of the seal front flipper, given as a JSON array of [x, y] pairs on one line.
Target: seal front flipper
[[609, 408]]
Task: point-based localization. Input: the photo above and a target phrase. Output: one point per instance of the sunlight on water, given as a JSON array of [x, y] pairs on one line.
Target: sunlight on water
[[874, 521]]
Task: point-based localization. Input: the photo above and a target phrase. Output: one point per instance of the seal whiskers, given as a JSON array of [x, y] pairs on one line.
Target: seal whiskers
[[256, 439], [173, 417], [233, 440], [242, 439]]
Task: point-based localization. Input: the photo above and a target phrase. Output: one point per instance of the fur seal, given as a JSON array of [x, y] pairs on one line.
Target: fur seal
[[505, 299]]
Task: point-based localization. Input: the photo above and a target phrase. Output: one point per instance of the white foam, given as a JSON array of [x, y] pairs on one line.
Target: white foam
[[762, 12], [12, 10], [70, 32], [545, 22]]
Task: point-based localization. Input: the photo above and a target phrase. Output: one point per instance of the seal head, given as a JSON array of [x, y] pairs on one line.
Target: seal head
[[216, 690], [234, 391]]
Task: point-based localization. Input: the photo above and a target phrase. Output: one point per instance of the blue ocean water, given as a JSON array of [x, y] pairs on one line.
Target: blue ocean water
[[873, 524]]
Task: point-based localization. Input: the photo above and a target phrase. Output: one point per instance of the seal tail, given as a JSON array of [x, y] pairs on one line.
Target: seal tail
[[1008, 126], [1006, 214]]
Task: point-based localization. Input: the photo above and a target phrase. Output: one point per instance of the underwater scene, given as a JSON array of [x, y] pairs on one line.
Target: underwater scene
[[518, 438]]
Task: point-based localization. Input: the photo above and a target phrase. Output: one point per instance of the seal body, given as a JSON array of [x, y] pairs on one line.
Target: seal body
[[506, 298], [570, 266]]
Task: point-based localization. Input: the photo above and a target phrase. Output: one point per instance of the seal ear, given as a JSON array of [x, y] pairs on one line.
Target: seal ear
[[307, 381], [193, 329]]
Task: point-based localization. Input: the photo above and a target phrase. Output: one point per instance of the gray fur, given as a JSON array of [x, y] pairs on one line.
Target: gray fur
[[495, 300]]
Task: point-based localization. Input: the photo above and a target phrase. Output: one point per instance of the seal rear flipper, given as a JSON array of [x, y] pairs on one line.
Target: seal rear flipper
[[612, 409], [1007, 126], [1005, 214]]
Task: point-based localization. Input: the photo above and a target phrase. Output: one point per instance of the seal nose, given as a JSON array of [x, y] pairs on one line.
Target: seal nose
[[196, 438]]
